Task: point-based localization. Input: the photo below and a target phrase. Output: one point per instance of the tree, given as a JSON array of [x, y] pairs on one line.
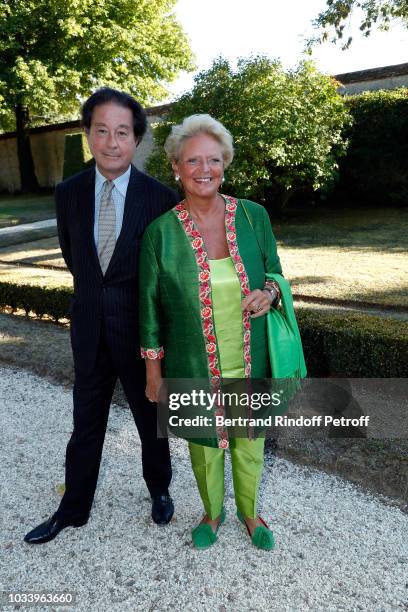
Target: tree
[[55, 52], [287, 126], [378, 13]]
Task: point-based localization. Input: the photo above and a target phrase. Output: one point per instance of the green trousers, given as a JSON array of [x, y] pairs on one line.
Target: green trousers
[[247, 457]]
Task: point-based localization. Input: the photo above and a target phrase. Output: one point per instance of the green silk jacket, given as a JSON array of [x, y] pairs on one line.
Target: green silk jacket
[[176, 318]]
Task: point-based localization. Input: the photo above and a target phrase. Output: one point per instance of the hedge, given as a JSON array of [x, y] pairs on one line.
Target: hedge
[[77, 155], [374, 170], [347, 344], [354, 345], [51, 301]]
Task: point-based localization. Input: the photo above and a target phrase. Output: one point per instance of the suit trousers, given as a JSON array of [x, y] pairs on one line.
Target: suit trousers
[[92, 398]]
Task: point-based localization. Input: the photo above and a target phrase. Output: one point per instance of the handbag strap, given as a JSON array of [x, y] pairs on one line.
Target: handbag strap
[[250, 223]]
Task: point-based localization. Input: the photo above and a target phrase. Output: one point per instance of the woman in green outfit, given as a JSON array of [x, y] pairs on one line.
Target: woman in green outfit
[[202, 269]]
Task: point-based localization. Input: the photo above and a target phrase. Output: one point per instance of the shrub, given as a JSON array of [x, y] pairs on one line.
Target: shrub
[[52, 301], [287, 127], [374, 171], [77, 155], [354, 345], [349, 345]]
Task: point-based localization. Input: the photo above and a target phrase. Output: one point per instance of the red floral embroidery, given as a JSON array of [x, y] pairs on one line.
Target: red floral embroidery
[[212, 360], [207, 321], [230, 211], [206, 313], [202, 261], [152, 353], [183, 215], [208, 327], [204, 292], [197, 243]]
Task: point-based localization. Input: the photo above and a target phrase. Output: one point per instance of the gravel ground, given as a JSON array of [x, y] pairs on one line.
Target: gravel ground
[[338, 548], [43, 348]]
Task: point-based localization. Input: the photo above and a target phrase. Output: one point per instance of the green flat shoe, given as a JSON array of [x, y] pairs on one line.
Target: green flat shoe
[[262, 536], [203, 536]]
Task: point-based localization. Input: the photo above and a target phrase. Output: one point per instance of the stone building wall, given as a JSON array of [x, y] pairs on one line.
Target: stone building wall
[[392, 83], [47, 146]]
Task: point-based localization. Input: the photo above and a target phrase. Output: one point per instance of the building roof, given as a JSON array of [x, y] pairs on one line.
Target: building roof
[[372, 74]]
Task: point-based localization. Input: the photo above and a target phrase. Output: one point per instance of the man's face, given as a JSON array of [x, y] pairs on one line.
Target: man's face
[[111, 139]]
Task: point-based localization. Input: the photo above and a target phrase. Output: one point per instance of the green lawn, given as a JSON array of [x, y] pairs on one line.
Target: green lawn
[[356, 255], [15, 210], [381, 230]]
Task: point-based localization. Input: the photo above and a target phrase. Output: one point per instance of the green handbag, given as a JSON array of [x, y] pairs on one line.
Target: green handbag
[[284, 342]]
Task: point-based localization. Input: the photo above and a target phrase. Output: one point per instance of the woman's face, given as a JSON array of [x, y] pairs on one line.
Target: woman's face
[[200, 166]]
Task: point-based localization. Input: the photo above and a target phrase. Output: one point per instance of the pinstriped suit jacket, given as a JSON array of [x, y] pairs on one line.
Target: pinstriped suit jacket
[[110, 299]]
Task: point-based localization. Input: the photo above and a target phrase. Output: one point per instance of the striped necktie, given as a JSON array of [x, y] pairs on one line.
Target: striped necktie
[[107, 226]]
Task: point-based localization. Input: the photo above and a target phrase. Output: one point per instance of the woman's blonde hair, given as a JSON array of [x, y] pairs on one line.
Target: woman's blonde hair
[[199, 124]]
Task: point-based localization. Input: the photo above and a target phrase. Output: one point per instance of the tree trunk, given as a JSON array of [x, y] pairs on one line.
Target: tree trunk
[[286, 196], [277, 199], [29, 181]]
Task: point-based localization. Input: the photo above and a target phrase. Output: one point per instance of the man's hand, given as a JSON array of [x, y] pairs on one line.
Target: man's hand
[[257, 302]]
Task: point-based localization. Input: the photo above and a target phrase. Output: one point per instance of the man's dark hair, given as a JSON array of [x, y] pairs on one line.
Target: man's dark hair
[[106, 95]]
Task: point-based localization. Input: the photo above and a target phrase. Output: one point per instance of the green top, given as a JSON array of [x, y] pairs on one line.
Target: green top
[[226, 297]]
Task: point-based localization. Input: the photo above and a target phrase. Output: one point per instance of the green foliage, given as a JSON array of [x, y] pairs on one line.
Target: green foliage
[[375, 168], [287, 126], [354, 345], [76, 154], [53, 52], [334, 20], [54, 302]]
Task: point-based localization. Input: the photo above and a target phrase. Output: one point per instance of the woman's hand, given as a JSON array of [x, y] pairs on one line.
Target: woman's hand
[[153, 379], [257, 302]]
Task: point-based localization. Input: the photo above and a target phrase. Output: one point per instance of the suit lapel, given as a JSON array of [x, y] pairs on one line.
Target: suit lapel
[[87, 210]]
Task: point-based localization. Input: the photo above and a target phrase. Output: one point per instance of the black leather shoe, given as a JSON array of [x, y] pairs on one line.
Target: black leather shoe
[[50, 529], [162, 509]]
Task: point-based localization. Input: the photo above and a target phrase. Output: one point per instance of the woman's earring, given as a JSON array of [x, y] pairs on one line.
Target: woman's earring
[[223, 179], [177, 177]]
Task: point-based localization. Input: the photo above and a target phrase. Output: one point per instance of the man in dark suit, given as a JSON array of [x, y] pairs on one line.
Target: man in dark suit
[[101, 214]]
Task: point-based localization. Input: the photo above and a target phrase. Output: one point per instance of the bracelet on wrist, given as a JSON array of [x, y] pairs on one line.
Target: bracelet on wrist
[[273, 288]]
